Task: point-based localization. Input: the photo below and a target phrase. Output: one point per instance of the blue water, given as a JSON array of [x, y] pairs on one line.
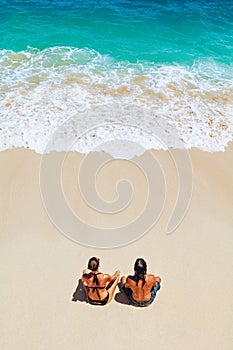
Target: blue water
[[158, 31], [172, 60]]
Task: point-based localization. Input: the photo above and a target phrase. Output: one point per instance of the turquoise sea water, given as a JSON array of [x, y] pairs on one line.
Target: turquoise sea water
[[157, 31], [173, 58]]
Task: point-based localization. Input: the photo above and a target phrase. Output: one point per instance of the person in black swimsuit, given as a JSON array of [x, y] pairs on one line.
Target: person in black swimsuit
[[99, 287]]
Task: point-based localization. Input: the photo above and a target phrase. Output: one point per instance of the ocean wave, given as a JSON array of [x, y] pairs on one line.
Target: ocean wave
[[40, 90]]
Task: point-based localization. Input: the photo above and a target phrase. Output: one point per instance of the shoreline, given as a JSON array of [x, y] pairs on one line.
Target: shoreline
[[168, 149]]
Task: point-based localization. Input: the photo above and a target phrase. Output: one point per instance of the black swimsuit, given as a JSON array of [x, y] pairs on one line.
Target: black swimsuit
[[96, 288], [98, 302]]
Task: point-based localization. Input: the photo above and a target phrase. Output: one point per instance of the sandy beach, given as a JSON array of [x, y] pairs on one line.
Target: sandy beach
[[40, 267]]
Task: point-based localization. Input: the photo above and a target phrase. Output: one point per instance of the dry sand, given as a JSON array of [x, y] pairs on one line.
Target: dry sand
[[40, 267]]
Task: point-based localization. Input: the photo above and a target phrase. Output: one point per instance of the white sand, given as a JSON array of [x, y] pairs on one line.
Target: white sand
[[40, 267]]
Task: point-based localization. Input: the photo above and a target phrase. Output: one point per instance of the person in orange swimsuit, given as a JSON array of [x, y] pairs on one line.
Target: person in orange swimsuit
[[141, 288], [99, 287]]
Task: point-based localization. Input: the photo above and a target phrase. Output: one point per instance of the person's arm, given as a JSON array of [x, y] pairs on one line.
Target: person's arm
[[85, 273], [128, 283], [84, 282], [114, 277]]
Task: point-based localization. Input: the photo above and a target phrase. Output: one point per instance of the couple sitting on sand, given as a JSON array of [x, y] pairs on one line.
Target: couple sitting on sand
[[140, 289]]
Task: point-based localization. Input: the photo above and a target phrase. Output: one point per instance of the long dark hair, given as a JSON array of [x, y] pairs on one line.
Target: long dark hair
[[140, 269]]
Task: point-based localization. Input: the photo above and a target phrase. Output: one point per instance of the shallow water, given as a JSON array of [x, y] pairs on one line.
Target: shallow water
[[163, 66]]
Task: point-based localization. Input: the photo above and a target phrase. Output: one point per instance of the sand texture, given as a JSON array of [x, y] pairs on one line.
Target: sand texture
[[40, 267]]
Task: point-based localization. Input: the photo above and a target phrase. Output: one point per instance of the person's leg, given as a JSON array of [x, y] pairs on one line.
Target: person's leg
[[157, 287], [121, 286], [111, 290], [123, 279], [154, 290]]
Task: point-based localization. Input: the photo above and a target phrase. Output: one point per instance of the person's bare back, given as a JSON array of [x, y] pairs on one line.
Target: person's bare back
[[141, 288], [140, 291], [99, 287]]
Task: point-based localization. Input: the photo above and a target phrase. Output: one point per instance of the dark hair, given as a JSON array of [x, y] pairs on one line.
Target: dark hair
[[140, 269], [93, 263]]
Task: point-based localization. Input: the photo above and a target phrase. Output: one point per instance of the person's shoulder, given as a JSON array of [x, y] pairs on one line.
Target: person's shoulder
[[130, 278], [86, 274], [105, 276]]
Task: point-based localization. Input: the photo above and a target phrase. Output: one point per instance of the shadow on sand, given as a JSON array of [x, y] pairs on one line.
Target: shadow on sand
[[79, 293], [121, 297]]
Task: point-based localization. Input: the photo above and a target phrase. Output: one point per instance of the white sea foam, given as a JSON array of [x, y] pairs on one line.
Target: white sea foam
[[66, 98]]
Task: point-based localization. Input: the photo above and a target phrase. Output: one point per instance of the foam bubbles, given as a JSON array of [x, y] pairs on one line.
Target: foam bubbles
[[40, 90]]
